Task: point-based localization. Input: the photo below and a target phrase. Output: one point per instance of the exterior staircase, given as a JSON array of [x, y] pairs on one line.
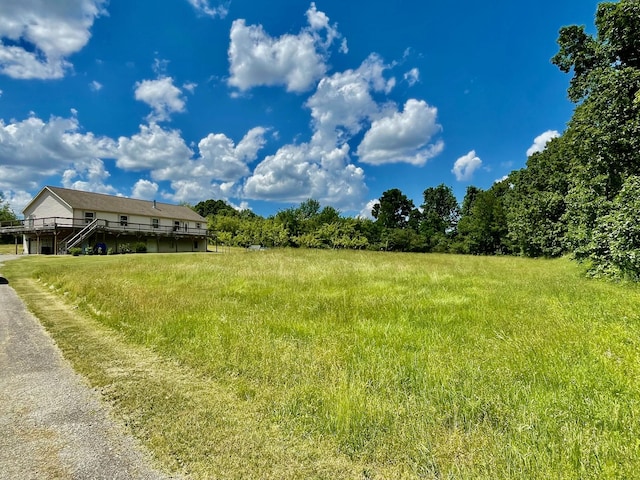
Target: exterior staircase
[[79, 237]]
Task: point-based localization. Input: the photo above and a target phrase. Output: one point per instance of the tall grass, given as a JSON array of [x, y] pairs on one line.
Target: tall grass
[[344, 364], [6, 248]]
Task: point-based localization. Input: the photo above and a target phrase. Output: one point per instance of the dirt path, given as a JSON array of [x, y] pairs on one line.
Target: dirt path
[[52, 425]]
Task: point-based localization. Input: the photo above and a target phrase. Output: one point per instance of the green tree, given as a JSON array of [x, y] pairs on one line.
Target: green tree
[[603, 136], [440, 210], [617, 235], [469, 197], [308, 209], [303, 219], [484, 231], [615, 48], [536, 206], [328, 215], [274, 234], [290, 221], [392, 209], [439, 218], [214, 207]]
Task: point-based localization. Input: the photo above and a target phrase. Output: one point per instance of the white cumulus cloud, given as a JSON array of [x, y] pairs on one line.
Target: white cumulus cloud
[[33, 150], [49, 149], [403, 136], [540, 142], [214, 173], [343, 105], [365, 213], [145, 190], [464, 167], [153, 148], [220, 159], [38, 36], [297, 172], [295, 61], [17, 199], [195, 189], [162, 96], [89, 176]]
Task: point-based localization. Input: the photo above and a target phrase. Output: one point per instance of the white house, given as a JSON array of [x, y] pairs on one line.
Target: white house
[[58, 219]]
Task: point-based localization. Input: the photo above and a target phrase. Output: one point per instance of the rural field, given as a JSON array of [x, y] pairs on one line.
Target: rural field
[[354, 365], [10, 249]]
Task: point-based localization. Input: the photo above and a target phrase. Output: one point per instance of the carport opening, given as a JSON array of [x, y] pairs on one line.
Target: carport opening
[[4, 281]]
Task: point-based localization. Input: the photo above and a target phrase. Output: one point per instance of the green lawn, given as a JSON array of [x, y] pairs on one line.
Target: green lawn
[[341, 364]]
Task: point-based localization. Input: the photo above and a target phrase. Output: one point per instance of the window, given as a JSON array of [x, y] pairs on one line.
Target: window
[[176, 225], [89, 217], [155, 223], [198, 225], [124, 220]]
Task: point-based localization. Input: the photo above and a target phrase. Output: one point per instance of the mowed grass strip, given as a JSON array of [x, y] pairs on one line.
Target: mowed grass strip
[[332, 364]]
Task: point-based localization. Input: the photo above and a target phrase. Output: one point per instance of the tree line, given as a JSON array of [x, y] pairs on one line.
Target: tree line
[[580, 196], [438, 225]]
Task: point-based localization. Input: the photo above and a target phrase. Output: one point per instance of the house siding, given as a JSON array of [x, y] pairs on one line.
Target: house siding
[[47, 206]]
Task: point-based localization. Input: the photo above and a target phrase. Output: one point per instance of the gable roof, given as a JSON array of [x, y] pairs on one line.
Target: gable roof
[[79, 200]]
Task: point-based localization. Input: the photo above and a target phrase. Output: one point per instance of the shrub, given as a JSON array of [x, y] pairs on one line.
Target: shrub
[[75, 251], [140, 247]]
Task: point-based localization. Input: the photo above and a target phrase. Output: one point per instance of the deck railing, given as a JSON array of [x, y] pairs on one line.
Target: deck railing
[[53, 224]]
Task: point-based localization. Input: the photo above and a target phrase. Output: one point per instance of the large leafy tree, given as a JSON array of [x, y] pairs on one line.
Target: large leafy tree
[[536, 204], [603, 136], [440, 211], [617, 235], [469, 197], [615, 48], [484, 230], [393, 209], [214, 207]]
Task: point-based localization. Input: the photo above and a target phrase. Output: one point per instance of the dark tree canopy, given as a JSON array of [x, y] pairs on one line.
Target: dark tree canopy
[[213, 207], [440, 210], [483, 231], [393, 209], [616, 46]]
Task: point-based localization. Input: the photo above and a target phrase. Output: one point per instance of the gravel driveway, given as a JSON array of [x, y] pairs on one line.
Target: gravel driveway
[[52, 425]]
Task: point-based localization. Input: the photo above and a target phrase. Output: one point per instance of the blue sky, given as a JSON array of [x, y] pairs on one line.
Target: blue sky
[[266, 104]]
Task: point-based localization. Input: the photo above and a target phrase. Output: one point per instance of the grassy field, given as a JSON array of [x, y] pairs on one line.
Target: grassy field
[[358, 365], [10, 249]]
